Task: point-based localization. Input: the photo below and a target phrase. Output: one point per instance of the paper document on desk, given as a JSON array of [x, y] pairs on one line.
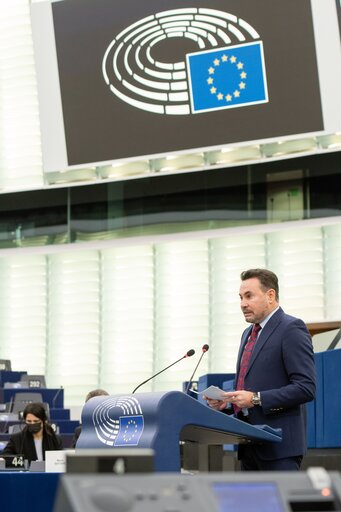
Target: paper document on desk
[[212, 392], [55, 461]]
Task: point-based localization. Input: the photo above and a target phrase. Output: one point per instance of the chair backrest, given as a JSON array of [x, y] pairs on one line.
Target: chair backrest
[[5, 364], [18, 427], [5, 418], [27, 397], [34, 381], [24, 398]]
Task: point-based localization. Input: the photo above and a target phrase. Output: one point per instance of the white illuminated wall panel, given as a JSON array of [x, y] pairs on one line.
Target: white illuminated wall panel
[[127, 345], [74, 323], [23, 311], [332, 252], [20, 142], [181, 310], [296, 256], [229, 257]]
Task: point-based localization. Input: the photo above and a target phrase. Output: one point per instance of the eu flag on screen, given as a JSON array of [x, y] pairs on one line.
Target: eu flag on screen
[[229, 77], [130, 431]]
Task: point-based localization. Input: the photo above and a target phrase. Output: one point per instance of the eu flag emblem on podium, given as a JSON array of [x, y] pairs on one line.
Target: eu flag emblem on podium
[[228, 77], [130, 430]]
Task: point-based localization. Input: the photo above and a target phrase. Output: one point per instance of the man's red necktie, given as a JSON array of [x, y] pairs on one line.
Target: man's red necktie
[[245, 360]]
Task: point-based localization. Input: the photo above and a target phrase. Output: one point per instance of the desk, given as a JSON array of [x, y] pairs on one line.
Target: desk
[[9, 376], [31, 492], [54, 397]]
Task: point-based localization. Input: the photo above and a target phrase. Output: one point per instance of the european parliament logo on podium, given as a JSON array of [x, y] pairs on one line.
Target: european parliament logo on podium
[[228, 77]]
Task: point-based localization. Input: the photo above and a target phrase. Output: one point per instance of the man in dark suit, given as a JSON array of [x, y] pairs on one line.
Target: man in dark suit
[[275, 375]]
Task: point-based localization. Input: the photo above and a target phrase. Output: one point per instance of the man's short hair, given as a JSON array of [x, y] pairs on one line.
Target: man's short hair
[[267, 279], [95, 392]]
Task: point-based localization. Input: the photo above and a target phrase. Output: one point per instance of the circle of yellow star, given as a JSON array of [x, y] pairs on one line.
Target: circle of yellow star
[[226, 59]]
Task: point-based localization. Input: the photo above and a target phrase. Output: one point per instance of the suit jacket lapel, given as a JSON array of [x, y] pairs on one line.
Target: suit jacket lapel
[[244, 339], [264, 335]]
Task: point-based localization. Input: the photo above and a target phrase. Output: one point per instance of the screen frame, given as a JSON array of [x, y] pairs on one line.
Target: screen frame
[[54, 146]]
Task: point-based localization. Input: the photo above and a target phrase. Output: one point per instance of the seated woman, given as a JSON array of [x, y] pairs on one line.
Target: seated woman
[[36, 437]]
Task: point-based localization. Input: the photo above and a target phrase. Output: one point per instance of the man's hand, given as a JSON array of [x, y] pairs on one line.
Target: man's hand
[[242, 398], [218, 405]]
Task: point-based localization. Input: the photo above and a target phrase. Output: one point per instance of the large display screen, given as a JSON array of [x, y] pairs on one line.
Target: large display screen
[[124, 79], [247, 497], [338, 7]]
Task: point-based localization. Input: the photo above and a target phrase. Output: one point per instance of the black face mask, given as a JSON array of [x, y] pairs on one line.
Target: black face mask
[[34, 428]]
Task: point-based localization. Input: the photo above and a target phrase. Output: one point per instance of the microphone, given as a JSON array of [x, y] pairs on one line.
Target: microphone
[[11, 402], [204, 350], [55, 397], [188, 354]]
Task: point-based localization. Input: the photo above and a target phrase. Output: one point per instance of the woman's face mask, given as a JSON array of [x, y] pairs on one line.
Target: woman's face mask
[[34, 428]]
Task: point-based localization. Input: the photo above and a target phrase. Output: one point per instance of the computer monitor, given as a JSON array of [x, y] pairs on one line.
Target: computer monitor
[[118, 461]]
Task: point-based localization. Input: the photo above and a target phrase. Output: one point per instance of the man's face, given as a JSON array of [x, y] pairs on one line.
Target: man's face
[[256, 304]]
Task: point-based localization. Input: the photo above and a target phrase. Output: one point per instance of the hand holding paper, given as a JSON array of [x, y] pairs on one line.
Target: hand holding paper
[[213, 392]]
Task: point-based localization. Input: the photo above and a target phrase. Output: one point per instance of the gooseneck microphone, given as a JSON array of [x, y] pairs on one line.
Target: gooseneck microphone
[[204, 350], [54, 399], [188, 354]]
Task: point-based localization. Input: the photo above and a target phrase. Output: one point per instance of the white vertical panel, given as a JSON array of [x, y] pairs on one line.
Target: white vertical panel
[[181, 309], [74, 323], [20, 145], [23, 308], [296, 256], [332, 258], [127, 318], [229, 257]]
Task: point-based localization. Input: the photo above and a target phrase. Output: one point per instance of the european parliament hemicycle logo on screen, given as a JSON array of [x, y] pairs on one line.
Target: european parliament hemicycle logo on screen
[[142, 78], [217, 75]]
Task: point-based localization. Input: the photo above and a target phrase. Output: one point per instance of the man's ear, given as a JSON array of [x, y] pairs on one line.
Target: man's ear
[[271, 295]]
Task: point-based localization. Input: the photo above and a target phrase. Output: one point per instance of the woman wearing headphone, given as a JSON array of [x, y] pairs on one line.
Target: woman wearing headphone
[[36, 437]]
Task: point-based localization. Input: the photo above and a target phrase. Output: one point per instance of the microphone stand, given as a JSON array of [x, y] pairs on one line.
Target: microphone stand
[[54, 399], [188, 354], [204, 350]]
